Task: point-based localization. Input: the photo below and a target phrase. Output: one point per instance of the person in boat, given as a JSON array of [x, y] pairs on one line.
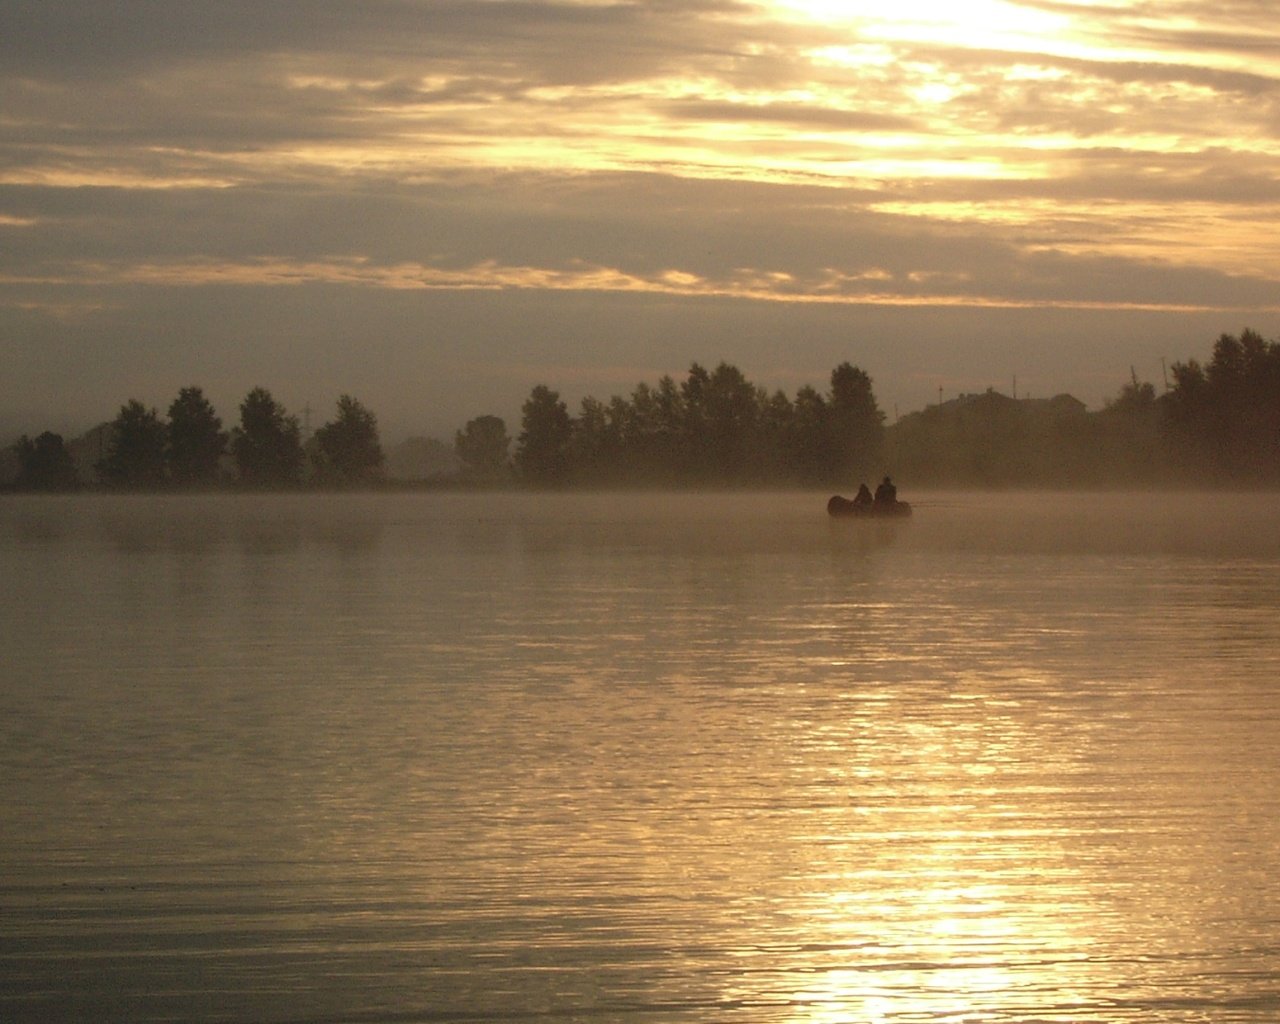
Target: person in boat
[[886, 494], [863, 500]]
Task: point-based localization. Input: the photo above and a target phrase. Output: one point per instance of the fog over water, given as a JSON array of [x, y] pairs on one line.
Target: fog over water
[[446, 757]]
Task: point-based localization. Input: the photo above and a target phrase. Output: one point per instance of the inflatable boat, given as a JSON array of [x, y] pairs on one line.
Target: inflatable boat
[[846, 508]]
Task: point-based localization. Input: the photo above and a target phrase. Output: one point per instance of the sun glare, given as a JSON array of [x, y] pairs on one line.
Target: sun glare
[[976, 23]]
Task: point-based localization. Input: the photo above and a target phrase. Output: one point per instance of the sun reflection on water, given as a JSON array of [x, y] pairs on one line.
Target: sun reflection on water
[[938, 879]]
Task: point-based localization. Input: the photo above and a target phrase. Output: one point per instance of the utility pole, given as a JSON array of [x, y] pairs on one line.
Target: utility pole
[[1165, 371]]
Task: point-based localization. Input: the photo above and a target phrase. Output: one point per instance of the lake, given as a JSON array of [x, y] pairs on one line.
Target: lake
[[473, 757]]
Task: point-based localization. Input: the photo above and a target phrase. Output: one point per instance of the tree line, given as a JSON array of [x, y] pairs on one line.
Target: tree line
[[714, 427], [190, 450], [1214, 423], [1223, 419]]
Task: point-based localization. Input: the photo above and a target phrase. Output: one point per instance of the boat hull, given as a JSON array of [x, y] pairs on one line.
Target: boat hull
[[844, 508]]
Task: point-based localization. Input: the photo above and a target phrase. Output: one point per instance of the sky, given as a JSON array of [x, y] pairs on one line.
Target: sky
[[435, 205]]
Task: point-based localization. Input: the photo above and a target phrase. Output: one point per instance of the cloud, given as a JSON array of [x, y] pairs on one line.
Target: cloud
[[481, 163], [795, 115], [565, 41], [618, 233]]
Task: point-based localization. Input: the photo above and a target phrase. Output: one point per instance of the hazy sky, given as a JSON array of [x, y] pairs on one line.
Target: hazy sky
[[437, 204]]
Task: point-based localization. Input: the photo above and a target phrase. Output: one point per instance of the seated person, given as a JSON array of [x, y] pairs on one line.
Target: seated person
[[886, 493], [863, 498]]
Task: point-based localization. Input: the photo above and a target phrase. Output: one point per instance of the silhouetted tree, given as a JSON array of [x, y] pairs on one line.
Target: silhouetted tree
[[483, 446], [648, 428], [1135, 399], [135, 457], [731, 406], [623, 429], [45, 464], [267, 444], [856, 423], [543, 447], [196, 440], [808, 441], [1244, 379], [1124, 437], [776, 422], [714, 427], [693, 421], [1185, 416], [660, 422], [348, 450], [1224, 419], [594, 445]]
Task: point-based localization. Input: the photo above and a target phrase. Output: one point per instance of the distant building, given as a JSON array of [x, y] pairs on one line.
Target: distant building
[[1058, 405]]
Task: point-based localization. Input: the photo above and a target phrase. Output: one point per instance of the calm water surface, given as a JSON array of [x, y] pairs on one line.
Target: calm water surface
[[642, 758]]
